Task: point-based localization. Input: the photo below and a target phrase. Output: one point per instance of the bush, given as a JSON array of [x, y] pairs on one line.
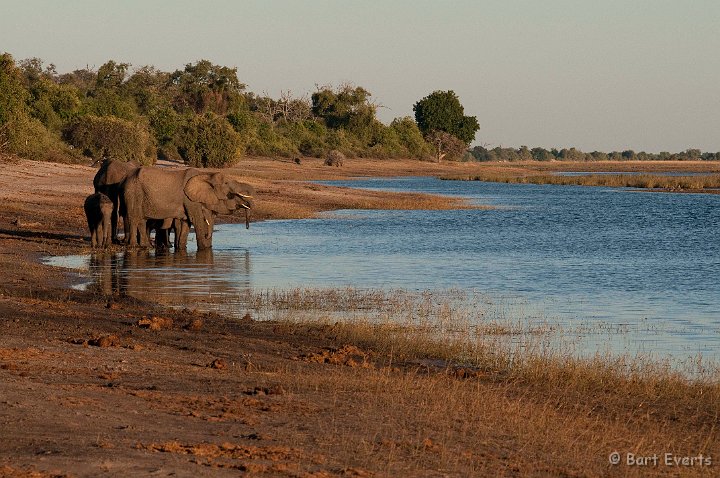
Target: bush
[[108, 102], [337, 139], [335, 158], [107, 136], [54, 105], [208, 141], [308, 137], [29, 138], [268, 142], [169, 152], [164, 123], [411, 138]]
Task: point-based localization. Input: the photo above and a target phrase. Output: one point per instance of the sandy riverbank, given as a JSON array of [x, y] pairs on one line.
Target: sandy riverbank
[[96, 385]]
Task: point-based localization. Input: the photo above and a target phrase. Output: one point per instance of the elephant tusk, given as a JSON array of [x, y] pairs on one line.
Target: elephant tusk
[[243, 196], [246, 207], [207, 222]]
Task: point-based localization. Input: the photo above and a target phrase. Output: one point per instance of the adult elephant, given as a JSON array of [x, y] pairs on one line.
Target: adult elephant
[[108, 181], [192, 195]]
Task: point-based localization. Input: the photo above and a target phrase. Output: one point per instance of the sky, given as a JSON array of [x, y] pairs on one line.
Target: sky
[[596, 75]]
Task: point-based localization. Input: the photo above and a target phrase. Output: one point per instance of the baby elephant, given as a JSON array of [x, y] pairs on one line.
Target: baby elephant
[[98, 209]]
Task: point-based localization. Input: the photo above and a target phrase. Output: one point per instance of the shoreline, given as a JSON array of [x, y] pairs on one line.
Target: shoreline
[[122, 386]]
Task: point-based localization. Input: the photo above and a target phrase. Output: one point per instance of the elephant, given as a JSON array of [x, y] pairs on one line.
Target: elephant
[[180, 228], [188, 195], [98, 210], [108, 181], [162, 236]]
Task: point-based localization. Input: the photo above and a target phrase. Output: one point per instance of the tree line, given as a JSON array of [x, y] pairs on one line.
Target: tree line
[[203, 115], [481, 153]]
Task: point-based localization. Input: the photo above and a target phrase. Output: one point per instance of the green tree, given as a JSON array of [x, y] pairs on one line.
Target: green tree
[[411, 138], [442, 111], [572, 154], [347, 107], [524, 154], [52, 103], [20, 133], [108, 96], [206, 87], [108, 136], [628, 155], [13, 95], [148, 87], [480, 153], [111, 75], [541, 154], [164, 123], [209, 141], [599, 156], [83, 80]]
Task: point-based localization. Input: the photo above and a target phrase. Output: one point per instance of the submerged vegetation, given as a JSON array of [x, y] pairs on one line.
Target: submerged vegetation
[[467, 336], [467, 328]]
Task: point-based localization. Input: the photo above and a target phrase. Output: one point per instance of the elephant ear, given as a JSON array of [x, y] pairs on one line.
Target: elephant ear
[[199, 189], [220, 184]]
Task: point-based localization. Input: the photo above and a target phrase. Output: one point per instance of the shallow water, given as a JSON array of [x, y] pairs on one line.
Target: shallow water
[[642, 267]]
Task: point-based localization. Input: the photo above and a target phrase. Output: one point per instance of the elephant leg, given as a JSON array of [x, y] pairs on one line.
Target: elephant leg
[[126, 231], [91, 228], [144, 239], [182, 229], [162, 239], [149, 226], [94, 236], [137, 233], [114, 222], [108, 237], [131, 237], [101, 236], [107, 228]]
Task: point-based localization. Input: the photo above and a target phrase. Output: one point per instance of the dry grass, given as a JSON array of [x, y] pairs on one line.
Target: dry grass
[[489, 426], [313, 169], [643, 181], [476, 405], [615, 166], [458, 327]]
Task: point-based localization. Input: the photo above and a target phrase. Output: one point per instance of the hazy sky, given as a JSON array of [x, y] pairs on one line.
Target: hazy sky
[[606, 75]]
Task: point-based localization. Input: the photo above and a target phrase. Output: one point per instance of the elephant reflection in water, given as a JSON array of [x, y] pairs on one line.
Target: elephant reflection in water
[[105, 272], [173, 279]]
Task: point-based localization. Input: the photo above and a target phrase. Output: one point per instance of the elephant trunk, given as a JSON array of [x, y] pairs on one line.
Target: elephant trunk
[[247, 218]]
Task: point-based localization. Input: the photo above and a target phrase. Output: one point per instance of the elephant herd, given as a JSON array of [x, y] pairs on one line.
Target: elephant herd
[[165, 200]]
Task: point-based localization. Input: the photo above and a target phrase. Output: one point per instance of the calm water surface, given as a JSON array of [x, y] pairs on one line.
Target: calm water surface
[[646, 263]]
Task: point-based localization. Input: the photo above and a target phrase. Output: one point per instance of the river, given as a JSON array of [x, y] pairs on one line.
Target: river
[[646, 264]]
